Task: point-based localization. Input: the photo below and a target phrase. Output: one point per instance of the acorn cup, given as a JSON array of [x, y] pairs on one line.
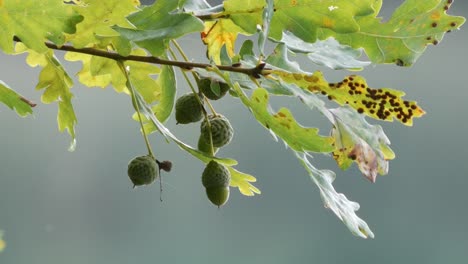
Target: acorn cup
[[188, 109], [221, 130], [143, 170]]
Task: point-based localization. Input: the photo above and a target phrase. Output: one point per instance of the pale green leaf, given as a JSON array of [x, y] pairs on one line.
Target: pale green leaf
[[101, 72], [343, 208], [34, 22], [14, 100], [243, 182], [99, 16], [327, 52], [56, 83]]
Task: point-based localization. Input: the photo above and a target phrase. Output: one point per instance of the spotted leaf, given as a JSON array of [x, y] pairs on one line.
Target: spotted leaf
[[383, 103]]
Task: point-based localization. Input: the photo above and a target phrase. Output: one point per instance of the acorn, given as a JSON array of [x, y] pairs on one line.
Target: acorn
[[221, 130], [143, 170], [212, 88], [215, 179], [188, 109], [204, 146]]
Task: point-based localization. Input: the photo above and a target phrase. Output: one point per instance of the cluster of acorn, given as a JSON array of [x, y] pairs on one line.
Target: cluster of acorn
[[215, 132]]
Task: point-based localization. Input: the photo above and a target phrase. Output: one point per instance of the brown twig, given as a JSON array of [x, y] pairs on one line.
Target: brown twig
[[255, 71]]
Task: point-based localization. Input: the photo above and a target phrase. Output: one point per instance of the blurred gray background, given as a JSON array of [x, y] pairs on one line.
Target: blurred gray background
[[78, 207]]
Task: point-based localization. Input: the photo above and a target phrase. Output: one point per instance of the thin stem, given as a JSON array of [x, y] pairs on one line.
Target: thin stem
[[211, 107], [137, 107], [195, 76], [205, 115], [182, 53]]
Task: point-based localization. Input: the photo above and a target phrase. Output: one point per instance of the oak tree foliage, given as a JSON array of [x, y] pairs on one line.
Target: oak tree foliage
[[133, 49]]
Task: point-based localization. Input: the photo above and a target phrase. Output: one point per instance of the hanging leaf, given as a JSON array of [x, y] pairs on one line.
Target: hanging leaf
[[358, 141], [14, 100], [343, 208], [284, 125], [56, 83], [355, 140]]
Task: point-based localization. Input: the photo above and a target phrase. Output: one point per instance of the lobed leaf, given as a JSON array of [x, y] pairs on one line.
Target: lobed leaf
[[101, 72], [243, 182], [383, 103], [328, 52], [343, 208], [34, 22], [402, 39], [358, 141], [337, 15], [56, 83], [155, 26], [284, 125], [355, 140], [14, 100], [99, 16], [220, 33]]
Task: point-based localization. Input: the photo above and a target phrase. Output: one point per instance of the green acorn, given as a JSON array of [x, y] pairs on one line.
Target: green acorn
[[188, 109], [143, 170], [204, 146], [215, 179], [221, 130], [213, 89]]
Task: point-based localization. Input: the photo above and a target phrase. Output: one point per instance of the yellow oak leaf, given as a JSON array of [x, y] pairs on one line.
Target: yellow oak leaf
[[218, 34]]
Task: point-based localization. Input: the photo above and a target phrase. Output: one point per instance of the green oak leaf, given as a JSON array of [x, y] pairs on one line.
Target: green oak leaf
[[101, 72], [56, 83], [155, 26], [402, 39], [14, 100], [166, 97], [99, 16], [284, 125], [34, 22], [292, 15]]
